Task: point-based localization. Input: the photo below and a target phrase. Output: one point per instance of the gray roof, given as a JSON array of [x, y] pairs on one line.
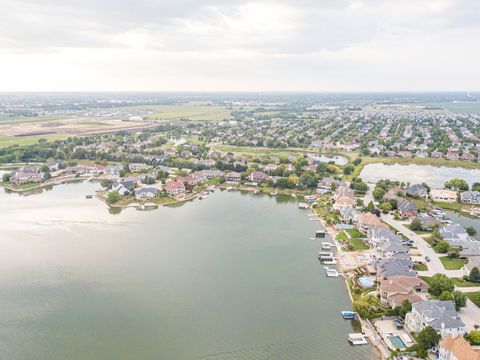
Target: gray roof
[[416, 190], [392, 267], [453, 231], [438, 313], [146, 190]]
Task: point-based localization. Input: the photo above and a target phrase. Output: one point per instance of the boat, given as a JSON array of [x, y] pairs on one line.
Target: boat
[[88, 196], [357, 339], [329, 261], [332, 272], [326, 245], [302, 205], [203, 195], [348, 315], [320, 234]]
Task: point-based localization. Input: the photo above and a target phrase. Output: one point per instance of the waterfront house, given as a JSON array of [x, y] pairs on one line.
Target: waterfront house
[[257, 176], [174, 188], [443, 195], [440, 315], [367, 221], [394, 267], [456, 348], [123, 187], [343, 191], [233, 177], [393, 249], [379, 235], [417, 191], [428, 222], [395, 289], [344, 202], [471, 197], [20, 177], [146, 193], [349, 214], [55, 165]]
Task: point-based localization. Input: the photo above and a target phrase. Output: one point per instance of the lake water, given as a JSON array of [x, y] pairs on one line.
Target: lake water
[[338, 160], [434, 176], [234, 276]]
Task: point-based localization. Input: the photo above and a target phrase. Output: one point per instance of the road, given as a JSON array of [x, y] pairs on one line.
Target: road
[[435, 266], [369, 195]]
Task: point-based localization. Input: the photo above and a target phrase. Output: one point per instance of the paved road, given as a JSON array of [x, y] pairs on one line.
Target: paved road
[[435, 266], [369, 195], [470, 315]]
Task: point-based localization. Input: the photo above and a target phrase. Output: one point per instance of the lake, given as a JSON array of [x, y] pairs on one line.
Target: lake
[[434, 176], [234, 276], [338, 160]]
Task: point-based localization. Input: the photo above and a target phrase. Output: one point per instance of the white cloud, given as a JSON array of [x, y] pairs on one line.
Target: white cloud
[[239, 45]]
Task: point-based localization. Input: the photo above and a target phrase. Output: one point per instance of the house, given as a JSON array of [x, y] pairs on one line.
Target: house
[[417, 191], [136, 167], [395, 289], [428, 222], [440, 315], [344, 202], [349, 214], [257, 176], [471, 197], [146, 193], [233, 177], [55, 165], [327, 182], [377, 236], [343, 191], [174, 188], [406, 208], [367, 221], [394, 267], [123, 187], [393, 249], [456, 348], [443, 195], [20, 177], [453, 232]]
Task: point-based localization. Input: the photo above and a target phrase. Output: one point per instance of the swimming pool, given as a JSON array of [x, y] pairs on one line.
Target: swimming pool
[[397, 343], [365, 282]]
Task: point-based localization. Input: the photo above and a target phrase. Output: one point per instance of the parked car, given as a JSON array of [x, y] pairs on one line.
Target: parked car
[[427, 258], [398, 324]]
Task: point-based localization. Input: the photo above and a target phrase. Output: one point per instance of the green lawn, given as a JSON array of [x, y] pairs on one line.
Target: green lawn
[[474, 296], [358, 244], [354, 233], [458, 281], [342, 236], [452, 264], [421, 267], [6, 141]]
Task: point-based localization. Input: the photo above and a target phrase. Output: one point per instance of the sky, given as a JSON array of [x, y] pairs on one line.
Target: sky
[[235, 45]]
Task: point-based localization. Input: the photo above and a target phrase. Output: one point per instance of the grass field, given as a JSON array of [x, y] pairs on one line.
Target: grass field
[[452, 264], [421, 267], [474, 296], [188, 111], [6, 141]]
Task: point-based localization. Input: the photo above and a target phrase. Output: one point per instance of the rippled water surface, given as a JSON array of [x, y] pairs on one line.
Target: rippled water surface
[[230, 277]]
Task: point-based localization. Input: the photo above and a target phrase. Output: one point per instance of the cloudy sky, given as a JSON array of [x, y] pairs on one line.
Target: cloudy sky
[[296, 45]]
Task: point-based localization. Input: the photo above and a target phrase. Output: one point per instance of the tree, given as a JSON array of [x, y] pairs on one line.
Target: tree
[[442, 247], [457, 184], [370, 207], [454, 253], [106, 183], [474, 275], [441, 283], [378, 193], [473, 337], [416, 224], [471, 231], [113, 197], [476, 186], [459, 300], [428, 338], [307, 180], [357, 161], [404, 308], [348, 169], [6, 177], [386, 207], [446, 296]]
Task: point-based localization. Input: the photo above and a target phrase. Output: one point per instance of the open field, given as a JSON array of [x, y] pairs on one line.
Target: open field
[[452, 264], [6, 141], [188, 111]]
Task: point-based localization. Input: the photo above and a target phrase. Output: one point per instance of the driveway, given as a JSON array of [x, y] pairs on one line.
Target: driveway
[[435, 266]]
